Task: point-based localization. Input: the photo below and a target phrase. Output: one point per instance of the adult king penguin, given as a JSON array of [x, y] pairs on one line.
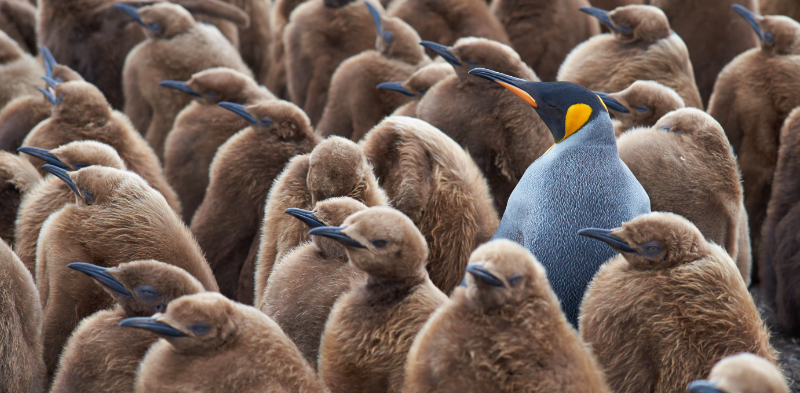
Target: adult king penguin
[[580, 180]]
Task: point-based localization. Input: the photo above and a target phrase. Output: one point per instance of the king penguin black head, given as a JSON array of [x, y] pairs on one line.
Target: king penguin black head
[[564, 106]]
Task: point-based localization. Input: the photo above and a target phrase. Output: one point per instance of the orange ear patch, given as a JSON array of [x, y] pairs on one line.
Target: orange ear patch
[[521, 93], [577, 115]]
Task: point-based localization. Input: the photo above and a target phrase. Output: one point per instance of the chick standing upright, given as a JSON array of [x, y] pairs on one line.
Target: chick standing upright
[[579, 182]]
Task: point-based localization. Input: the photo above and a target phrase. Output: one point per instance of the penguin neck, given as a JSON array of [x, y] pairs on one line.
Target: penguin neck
[[597, 132]]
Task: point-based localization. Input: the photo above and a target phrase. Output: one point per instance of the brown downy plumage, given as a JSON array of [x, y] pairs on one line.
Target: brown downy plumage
[[211, 344], [19, 71], [543, 32], [176, 48], [504, 332], [117, 217], [660, 315], [780, 259], [18, 20], [640, 105], [202, 127], [21, 365], [433, 181], [307, 281], [788, 8], [226, 223], [81, 112], [417, 85], [51, 194], [713, 34], [93, 37], [336, 167], [687, 167], [321, 34], [256, 37], [102, 356], [279, 18], [753, 96], [371, 328], [500, 132], [17, 177], [356, 104], [640, 47], [742, 373]]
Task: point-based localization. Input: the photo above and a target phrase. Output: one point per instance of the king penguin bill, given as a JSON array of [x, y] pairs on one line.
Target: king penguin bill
[[579, 181]]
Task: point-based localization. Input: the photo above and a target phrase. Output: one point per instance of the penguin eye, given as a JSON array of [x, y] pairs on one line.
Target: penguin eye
[[146, 293], [161, 308], [155, 27], [666, 128], [651, 249], [473, 64], [265, 121], [388, 37], [769, 38], [79, 166], [422, 92], [379, 243], [199, 328], [514, 280], [89, 196], [550, 105], [642, 108]]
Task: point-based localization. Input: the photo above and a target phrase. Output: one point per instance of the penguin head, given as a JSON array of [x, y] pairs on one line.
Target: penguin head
[[642, 103], [160, 20], [779, 35], [654, 241], [743, 372], [330, 212], [99, 185], [420, 81], [564, 106], [633, 24], [76, 155], [381, 241], [471, 52], [78, 102], [337, 167], [142, 288], [214, 85], [396, 39], [273, 119]]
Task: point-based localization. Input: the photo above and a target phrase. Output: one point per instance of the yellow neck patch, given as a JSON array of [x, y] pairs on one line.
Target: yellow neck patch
[[577, 115]]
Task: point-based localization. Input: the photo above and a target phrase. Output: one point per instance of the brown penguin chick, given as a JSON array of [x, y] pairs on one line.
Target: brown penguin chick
[[21, 366], [417, 85], [371, 328], [18, 20], [712, 33], [432, 180], [543, 32], [753, 96], [780, 259], [279, 18], [17, 177], [640, 47], [447, 21], [355, 104], [116, 218], [79, 30], [660, 315], [212, 344], [176, 48], [19, 71], [687, 167], [306, 282], [51, 194], [640, 105], [226, 223], [102, 356], [81, 112], [336, 167], [504, 332], [742, 373], [202, 126], [788, 8], [501, 133], [321, 34]]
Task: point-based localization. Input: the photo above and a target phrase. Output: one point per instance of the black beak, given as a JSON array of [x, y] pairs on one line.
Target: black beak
[[395, 86], [376, 17], [703, 386], [507, 81], [132, 11], [335, 233], [751, 18], [151, 324], [100, 274], [483, 275], [305, 216], [49, 96], [62, 174], [612, 103], [602, 15], [49, 60], [443, 51], [238, 109], [605, 236], [179, 85], [44, 155]]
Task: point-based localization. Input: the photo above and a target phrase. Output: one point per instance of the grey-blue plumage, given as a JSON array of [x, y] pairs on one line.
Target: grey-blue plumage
[[580, 183]]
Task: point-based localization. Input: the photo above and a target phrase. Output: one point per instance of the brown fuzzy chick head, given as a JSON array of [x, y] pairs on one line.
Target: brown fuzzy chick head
[[79, 154], [396, 38], [79, 103], [331, 212], [780, 35], [165, 20], [99, 185], [219, 84], [638, 24], [206, 321], [276, 118], [742, 373], [336, 167], [646, 102], [474, 52]]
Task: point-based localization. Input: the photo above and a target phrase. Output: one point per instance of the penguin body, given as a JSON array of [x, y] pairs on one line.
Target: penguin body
[[19, 71], [17, 177], [18, 20]]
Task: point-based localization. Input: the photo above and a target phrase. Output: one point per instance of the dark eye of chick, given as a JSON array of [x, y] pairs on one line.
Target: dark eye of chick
[[199, 328], [379, 243]]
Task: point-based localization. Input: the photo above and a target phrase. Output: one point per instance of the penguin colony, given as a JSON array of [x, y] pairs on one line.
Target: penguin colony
[[398, 195]]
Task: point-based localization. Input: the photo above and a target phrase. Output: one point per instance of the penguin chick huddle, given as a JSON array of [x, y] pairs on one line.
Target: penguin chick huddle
[[399, 196]]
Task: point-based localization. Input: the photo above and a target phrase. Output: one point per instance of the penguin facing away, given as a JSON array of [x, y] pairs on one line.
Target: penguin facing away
[[580, 180]]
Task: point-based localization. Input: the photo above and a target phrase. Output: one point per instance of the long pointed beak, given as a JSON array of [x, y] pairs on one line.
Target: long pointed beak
[[606, 236], [49, 60], [507, 81], [153, 325], [703, 386], [602, 16], [132, 11], [612, 103], [44, 155], [480, 273], [101, 275], [376, 17], [50, 97], [181, 86], [394, 86], [62, 174], [305, 216], [238, 109], [443, 51], [335, 233], [750, 17]]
